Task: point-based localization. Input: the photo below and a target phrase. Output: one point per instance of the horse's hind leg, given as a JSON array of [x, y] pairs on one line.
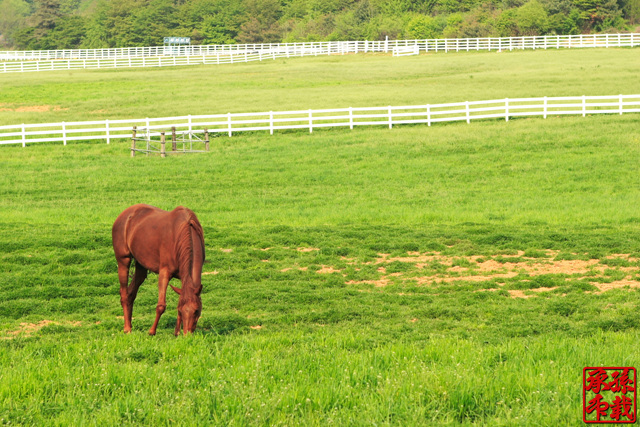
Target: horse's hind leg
[[128, 293], [123, 276]]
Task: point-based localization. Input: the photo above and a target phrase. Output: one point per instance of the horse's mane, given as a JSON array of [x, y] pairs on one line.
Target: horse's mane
[[185, 244]]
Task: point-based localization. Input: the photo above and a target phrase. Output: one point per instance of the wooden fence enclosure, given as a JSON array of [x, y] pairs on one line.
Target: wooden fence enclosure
[[179, 145]]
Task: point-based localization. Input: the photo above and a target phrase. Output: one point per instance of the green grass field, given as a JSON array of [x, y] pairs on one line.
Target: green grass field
[[453, 274]]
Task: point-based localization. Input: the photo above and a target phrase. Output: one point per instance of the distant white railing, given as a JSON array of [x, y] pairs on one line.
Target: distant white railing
[[161, 56], [310, 120]]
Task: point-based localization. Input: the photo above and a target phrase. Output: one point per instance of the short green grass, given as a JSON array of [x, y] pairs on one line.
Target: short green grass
[[316, 82], [294, 329]]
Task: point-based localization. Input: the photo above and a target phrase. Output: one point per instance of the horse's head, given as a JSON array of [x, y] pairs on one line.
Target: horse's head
[[189, 310]]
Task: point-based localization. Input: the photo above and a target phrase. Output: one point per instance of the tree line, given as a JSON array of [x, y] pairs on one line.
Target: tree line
[[67, 24]]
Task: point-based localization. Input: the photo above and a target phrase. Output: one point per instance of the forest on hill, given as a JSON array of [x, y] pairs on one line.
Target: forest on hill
[[65, 24]]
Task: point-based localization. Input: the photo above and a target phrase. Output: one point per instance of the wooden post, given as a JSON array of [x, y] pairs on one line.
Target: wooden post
[[163, 152], [174, 146], [133, 142], [206, 139]]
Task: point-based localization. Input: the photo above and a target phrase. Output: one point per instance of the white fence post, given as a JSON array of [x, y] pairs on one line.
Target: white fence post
[[545, 108], [466, 107], [271, 122], [620, 104], [506, 109], [106, 125], [584, 106], [64, 134], [429, 115], [351, 118], [229, 123], [390, 118], [24, 136], [310, 121]]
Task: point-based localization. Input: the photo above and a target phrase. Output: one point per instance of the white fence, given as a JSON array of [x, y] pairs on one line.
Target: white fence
[[159, 56], [311, 120]]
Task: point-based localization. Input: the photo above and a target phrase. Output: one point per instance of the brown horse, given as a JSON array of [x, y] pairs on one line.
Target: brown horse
[[170, 244]]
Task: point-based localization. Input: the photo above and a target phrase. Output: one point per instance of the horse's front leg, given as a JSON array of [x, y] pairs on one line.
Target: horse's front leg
[[163, 282], [178, 324]]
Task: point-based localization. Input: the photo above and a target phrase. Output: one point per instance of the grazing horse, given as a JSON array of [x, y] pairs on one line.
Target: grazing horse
[[170, 244]]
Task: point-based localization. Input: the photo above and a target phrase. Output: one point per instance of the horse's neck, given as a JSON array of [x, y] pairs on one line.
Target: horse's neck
[[197, 256], [192, 264]]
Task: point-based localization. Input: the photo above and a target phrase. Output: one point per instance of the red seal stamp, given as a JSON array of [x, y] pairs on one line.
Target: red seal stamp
[[609, 395]]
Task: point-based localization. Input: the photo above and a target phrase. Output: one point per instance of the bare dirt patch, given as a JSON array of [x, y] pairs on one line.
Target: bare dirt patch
[[618, 284], [31, 108], [284, 270], [377, 283], [485, 268], [27, 329], [327, 270]]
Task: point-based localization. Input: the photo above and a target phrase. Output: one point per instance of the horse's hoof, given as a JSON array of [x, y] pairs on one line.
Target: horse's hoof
[[152, 333]]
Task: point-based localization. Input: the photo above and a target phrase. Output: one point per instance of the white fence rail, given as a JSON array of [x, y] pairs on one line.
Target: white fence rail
[[159, 56], [310, 120]]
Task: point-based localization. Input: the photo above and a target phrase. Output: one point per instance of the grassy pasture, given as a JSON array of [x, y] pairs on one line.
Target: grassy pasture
[[315, 82], [413, 276]]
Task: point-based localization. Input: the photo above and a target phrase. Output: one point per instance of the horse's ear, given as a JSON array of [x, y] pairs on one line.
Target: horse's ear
[[175, 289]]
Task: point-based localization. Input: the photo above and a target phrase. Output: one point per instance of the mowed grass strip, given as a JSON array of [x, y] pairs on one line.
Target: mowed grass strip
[[347, 279]]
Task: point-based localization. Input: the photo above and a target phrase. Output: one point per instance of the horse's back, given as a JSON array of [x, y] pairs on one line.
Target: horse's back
[[138, 223], [149, 234]]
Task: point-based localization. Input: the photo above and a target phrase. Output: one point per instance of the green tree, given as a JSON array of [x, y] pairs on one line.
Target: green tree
[[348, 27], [599, 14], [532, 19], [212, 21], [13, 14], [68, 33], [43, 20], [152, 23], [506, 23], [308, 29], [426, 27], [454, 25], [262, 24], [630, 10]]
